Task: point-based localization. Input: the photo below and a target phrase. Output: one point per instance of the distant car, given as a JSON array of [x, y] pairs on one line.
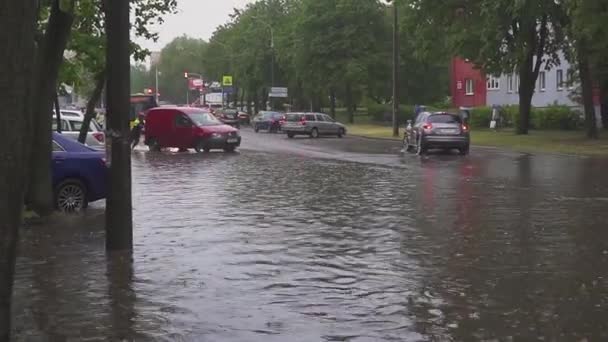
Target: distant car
[[437, 130], [270, 121], [186, 127], [70, 127], [79, 174], [70, 113], [229, 117], [244, 118], [312, 124]]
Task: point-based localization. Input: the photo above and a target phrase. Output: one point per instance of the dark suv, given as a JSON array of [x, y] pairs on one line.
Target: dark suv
[[437, 130]]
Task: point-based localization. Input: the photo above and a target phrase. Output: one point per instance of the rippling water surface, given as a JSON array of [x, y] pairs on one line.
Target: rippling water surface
[[284, 247]]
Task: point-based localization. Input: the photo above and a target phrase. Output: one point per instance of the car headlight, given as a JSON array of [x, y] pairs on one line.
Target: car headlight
[[215, 135]]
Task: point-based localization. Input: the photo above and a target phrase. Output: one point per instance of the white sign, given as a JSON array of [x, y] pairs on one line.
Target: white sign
[[197, 83], [214, 98], [278, 92]]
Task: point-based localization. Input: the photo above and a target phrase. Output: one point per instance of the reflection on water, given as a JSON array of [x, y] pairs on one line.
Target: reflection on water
[[255, 247]]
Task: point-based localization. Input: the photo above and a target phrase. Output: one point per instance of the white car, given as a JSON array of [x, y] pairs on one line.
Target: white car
[[70, 127]]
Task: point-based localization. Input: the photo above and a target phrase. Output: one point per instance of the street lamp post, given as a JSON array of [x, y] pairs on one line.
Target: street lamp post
[[395, 70]]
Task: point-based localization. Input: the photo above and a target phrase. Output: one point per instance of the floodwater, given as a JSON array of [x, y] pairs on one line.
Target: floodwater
[[331, 240]]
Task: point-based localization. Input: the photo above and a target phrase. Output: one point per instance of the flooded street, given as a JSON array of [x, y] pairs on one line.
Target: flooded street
[[331, 240]]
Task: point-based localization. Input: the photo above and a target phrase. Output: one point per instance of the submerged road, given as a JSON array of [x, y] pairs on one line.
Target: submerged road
[[331, 240]]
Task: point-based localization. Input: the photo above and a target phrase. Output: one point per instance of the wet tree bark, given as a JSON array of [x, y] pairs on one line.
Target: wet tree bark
[[604, 103], [57, 113], [349, 103], [17, 30], [100, 81], [242, 98], [119, 213], [587, 90], [256, 102], [50, 57]]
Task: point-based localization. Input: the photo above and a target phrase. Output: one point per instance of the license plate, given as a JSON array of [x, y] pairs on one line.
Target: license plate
[[232, 140], [449, 131]]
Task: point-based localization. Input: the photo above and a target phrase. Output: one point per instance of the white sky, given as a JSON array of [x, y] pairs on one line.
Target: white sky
[[195, 18]]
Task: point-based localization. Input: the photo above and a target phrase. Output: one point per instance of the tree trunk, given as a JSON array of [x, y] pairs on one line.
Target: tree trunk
[[526, 92], [265, 98], [242, 98], [100, 81], [17, 29], [587, 90], [119, 213], [332, 102], [256, 102], [604, 103], [57, 113], [349, 103], [50, 57], [249, 99]]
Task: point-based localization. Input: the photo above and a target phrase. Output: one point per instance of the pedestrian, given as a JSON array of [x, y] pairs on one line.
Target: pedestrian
[[137, 126]]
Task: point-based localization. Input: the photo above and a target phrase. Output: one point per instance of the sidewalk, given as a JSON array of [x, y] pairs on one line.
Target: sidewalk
[[560, 142]]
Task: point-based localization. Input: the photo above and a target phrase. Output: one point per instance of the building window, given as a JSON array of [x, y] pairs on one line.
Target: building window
[[542, 81], [510, 83], [560, 79], [468, 84], [570, 79], [493, 83]]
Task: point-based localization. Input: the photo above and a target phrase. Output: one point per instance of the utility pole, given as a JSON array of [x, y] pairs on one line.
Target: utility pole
[[156, 86], [395, 70], [119, 211]]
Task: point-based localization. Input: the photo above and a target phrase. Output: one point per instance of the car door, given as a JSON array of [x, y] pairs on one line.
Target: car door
[[59, 156], [322, 124], [418, 126], [183, 132], [332, 126]]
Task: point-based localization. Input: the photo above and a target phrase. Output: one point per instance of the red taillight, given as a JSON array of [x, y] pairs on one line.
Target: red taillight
[[465, 128], [99, 137], [427, 127]]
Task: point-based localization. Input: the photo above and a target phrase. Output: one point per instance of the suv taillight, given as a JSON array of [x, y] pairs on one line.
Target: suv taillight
[[427, 127], [465, 128]]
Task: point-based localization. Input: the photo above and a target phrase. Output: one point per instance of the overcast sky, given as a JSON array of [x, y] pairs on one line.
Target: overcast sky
[[195, 18]]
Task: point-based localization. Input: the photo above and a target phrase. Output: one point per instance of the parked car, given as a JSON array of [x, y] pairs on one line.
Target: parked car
[[228, 116], [186, 127], [270, 121], [312, 124], [437, 130], [79, 174], [70, 127], [70, 113]]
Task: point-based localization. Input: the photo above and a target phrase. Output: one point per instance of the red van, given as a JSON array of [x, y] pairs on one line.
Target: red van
[[188, 127]]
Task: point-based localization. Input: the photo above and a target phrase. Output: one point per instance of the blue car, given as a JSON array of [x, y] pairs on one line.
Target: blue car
[[79, 174]]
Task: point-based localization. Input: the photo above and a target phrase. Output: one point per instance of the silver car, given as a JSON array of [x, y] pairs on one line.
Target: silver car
[[437, 130], [312, 124], [70, 127]]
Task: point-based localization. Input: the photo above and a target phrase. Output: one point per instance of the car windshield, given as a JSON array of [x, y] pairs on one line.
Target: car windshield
[[204, 119], [293, 117], [444, 118]]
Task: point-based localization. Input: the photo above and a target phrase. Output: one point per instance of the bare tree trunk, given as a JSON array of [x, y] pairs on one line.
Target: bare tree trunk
[[50, 57], [242, 98], [100, 81], [17, 29], [587, 90], [256, 102], [249, 99], [604, 103], [332, 101], [349, 103], [57, 113], [119, 212]]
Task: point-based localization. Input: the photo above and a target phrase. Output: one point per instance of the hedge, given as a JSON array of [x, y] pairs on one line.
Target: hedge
[[552, 117]]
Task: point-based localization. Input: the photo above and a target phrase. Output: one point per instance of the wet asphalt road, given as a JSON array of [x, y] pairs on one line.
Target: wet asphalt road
[[331, 240]]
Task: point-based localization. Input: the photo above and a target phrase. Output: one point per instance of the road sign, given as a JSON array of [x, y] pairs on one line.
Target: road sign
[[227, 81], [278, 92]]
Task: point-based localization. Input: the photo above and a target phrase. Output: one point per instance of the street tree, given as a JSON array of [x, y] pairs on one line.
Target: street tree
[[500, 36], [17, 34]]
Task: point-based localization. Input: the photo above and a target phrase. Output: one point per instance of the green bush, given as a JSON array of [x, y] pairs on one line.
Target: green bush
[[555, 117], [480, 117], [383, 113]]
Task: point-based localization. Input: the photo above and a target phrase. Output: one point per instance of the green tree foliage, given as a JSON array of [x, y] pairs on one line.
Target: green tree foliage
[[183, 54], [322, 48], [501, 36]]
